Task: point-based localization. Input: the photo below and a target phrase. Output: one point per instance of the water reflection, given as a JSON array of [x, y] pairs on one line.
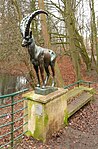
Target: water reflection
[[10, 84]]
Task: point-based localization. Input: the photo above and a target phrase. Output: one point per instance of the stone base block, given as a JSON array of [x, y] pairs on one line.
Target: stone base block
[[46, 113]]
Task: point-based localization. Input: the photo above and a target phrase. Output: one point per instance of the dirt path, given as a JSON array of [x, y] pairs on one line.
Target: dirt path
[[75, 139]]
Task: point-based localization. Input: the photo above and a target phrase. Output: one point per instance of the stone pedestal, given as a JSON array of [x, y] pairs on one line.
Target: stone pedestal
[[46, 113]]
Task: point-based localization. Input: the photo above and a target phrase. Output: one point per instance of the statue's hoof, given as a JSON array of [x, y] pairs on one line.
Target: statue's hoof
[[53, 84], [38, 85], [43, 87]]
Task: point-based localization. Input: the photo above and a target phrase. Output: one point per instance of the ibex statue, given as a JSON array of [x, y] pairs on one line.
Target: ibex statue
[[40, 57]]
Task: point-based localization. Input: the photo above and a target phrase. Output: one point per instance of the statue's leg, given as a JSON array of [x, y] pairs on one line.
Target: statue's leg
[[42, 75], [47, 75], [36, 70], [53, 74]]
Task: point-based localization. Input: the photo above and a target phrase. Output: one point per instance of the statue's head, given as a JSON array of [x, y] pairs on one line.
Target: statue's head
[[27, 40], [25, 27]]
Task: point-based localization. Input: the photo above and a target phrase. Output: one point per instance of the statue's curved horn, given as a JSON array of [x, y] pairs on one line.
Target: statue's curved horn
[[26, 21]]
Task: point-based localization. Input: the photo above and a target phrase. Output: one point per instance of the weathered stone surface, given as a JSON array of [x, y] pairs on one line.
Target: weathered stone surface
[[45, 113]]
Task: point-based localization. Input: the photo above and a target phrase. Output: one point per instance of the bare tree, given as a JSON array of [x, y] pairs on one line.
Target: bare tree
[[94, 42]]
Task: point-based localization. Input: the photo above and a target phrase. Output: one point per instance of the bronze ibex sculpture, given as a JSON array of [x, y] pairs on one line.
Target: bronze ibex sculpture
[[40, 57]]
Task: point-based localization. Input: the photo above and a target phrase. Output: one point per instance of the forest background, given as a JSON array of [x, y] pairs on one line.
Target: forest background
[[71, 30]]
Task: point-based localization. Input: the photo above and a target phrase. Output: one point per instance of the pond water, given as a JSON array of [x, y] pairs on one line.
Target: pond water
[[10, 83]]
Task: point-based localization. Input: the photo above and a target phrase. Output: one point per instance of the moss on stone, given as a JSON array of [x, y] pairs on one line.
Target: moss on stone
[[66, 117], [39, 128], [28, 133], [30, 103], [46, 119]]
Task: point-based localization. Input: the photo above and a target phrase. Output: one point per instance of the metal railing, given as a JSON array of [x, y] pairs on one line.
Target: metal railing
[[78, 84], [13, 120]]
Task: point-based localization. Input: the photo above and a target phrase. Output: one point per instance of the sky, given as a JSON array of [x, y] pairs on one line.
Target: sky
[[86, 7], [86, 14], [86, 10]]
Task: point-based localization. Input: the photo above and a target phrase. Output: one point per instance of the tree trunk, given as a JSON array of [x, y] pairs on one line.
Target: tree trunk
[[94, 42], [15, 3], [82, 49], [44, 25], [71, 31]]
